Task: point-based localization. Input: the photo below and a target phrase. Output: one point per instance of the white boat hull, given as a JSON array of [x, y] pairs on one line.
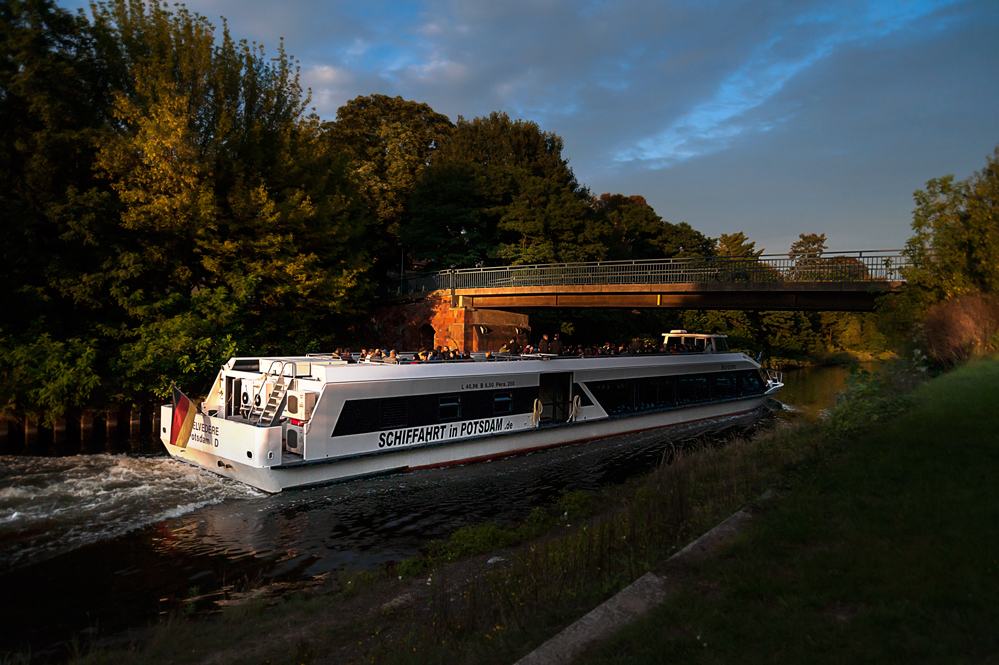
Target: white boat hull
[[303, 474]]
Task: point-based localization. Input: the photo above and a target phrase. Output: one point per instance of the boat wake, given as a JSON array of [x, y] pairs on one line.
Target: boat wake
[[51, 505]]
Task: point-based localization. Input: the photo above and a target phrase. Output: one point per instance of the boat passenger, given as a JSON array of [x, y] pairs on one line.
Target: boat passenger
[[556, 346]]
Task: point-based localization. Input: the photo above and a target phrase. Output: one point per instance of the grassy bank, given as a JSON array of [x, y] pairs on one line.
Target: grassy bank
[[490, 594], [886, 550]]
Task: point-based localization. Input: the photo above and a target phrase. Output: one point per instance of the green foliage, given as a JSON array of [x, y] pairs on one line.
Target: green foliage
[[873, 397], [499, 190], [389, 142], [498, 141], [233, 212], [635, 231], [634, 227], [471, 540], [53, 96], [546, 222], [955, 247], [806, 253], [682, 240], [46, 374], [576, 504], [453, 219], [737, 244], [169, 202]]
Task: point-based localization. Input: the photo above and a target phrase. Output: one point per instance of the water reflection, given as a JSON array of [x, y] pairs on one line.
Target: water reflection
[[811, 391], [370, 522]]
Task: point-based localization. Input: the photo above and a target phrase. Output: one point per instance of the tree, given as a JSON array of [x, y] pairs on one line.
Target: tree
[[54, 96], [737, 244], [499, 190], [547, 223], [232, 225], [468, 214], [389, 142], [450, 220], [740, 260], [682, 240], [806, 256], [634, 228], [953, 254], [955, 247], [499, 141]]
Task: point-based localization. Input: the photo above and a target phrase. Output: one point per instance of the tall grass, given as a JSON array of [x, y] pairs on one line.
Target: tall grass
[[580, 560]]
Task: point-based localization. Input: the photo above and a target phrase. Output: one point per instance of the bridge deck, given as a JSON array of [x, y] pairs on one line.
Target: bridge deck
[[842, 296], [846, 281]]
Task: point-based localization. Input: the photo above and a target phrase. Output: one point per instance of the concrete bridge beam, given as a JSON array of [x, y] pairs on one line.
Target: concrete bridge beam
[[815, 296]]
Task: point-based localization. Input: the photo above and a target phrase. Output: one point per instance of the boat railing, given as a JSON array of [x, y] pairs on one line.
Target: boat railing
[[265, 404], [409, 357], [775, 377]]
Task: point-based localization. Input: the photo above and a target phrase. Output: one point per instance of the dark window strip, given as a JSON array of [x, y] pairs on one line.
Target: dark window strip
[[381, 414]]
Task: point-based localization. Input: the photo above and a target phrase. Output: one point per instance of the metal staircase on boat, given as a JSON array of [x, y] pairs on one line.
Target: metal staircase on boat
[[268, 413]]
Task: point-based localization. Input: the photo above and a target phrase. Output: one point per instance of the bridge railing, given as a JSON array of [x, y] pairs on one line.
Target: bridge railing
[[856, 266]]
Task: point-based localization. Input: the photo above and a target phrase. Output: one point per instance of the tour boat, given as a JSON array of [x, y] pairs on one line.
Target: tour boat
[[277, 423]]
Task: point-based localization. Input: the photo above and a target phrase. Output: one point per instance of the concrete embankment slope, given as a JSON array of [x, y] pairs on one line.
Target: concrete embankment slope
[[884, 548]]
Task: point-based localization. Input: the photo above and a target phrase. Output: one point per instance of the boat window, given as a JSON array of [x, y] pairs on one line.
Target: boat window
[[750, 383], [449, 408], [617, 397], [723, 386], [502, 403], [393, 413], [691, 389], [655, 393], [721, 345], [388, 413]]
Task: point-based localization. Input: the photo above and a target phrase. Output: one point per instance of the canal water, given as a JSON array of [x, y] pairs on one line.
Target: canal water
[[94, 545]]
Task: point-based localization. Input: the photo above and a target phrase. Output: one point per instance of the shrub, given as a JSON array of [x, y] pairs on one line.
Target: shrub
[[963, 327]]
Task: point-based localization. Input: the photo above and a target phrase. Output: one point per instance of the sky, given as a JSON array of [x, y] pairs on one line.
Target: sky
[[771, 118]]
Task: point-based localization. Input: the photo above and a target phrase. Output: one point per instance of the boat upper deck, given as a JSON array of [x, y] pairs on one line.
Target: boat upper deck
[[329, 370]]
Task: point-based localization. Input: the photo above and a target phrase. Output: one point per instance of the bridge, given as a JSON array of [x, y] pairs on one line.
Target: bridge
[[466, 301]]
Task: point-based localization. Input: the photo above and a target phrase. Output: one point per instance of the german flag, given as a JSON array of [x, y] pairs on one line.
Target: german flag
[[183, 419]]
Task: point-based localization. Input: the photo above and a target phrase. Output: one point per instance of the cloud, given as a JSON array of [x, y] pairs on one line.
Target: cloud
[[796, 45]]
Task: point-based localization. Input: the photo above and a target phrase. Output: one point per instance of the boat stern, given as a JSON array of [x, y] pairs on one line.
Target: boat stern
[[221, 442]]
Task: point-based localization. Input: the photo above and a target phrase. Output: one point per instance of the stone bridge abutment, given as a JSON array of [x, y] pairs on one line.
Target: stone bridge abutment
[[433, 322]]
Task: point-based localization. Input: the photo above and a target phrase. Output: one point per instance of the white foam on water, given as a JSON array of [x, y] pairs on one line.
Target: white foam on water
[[50, 505]]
